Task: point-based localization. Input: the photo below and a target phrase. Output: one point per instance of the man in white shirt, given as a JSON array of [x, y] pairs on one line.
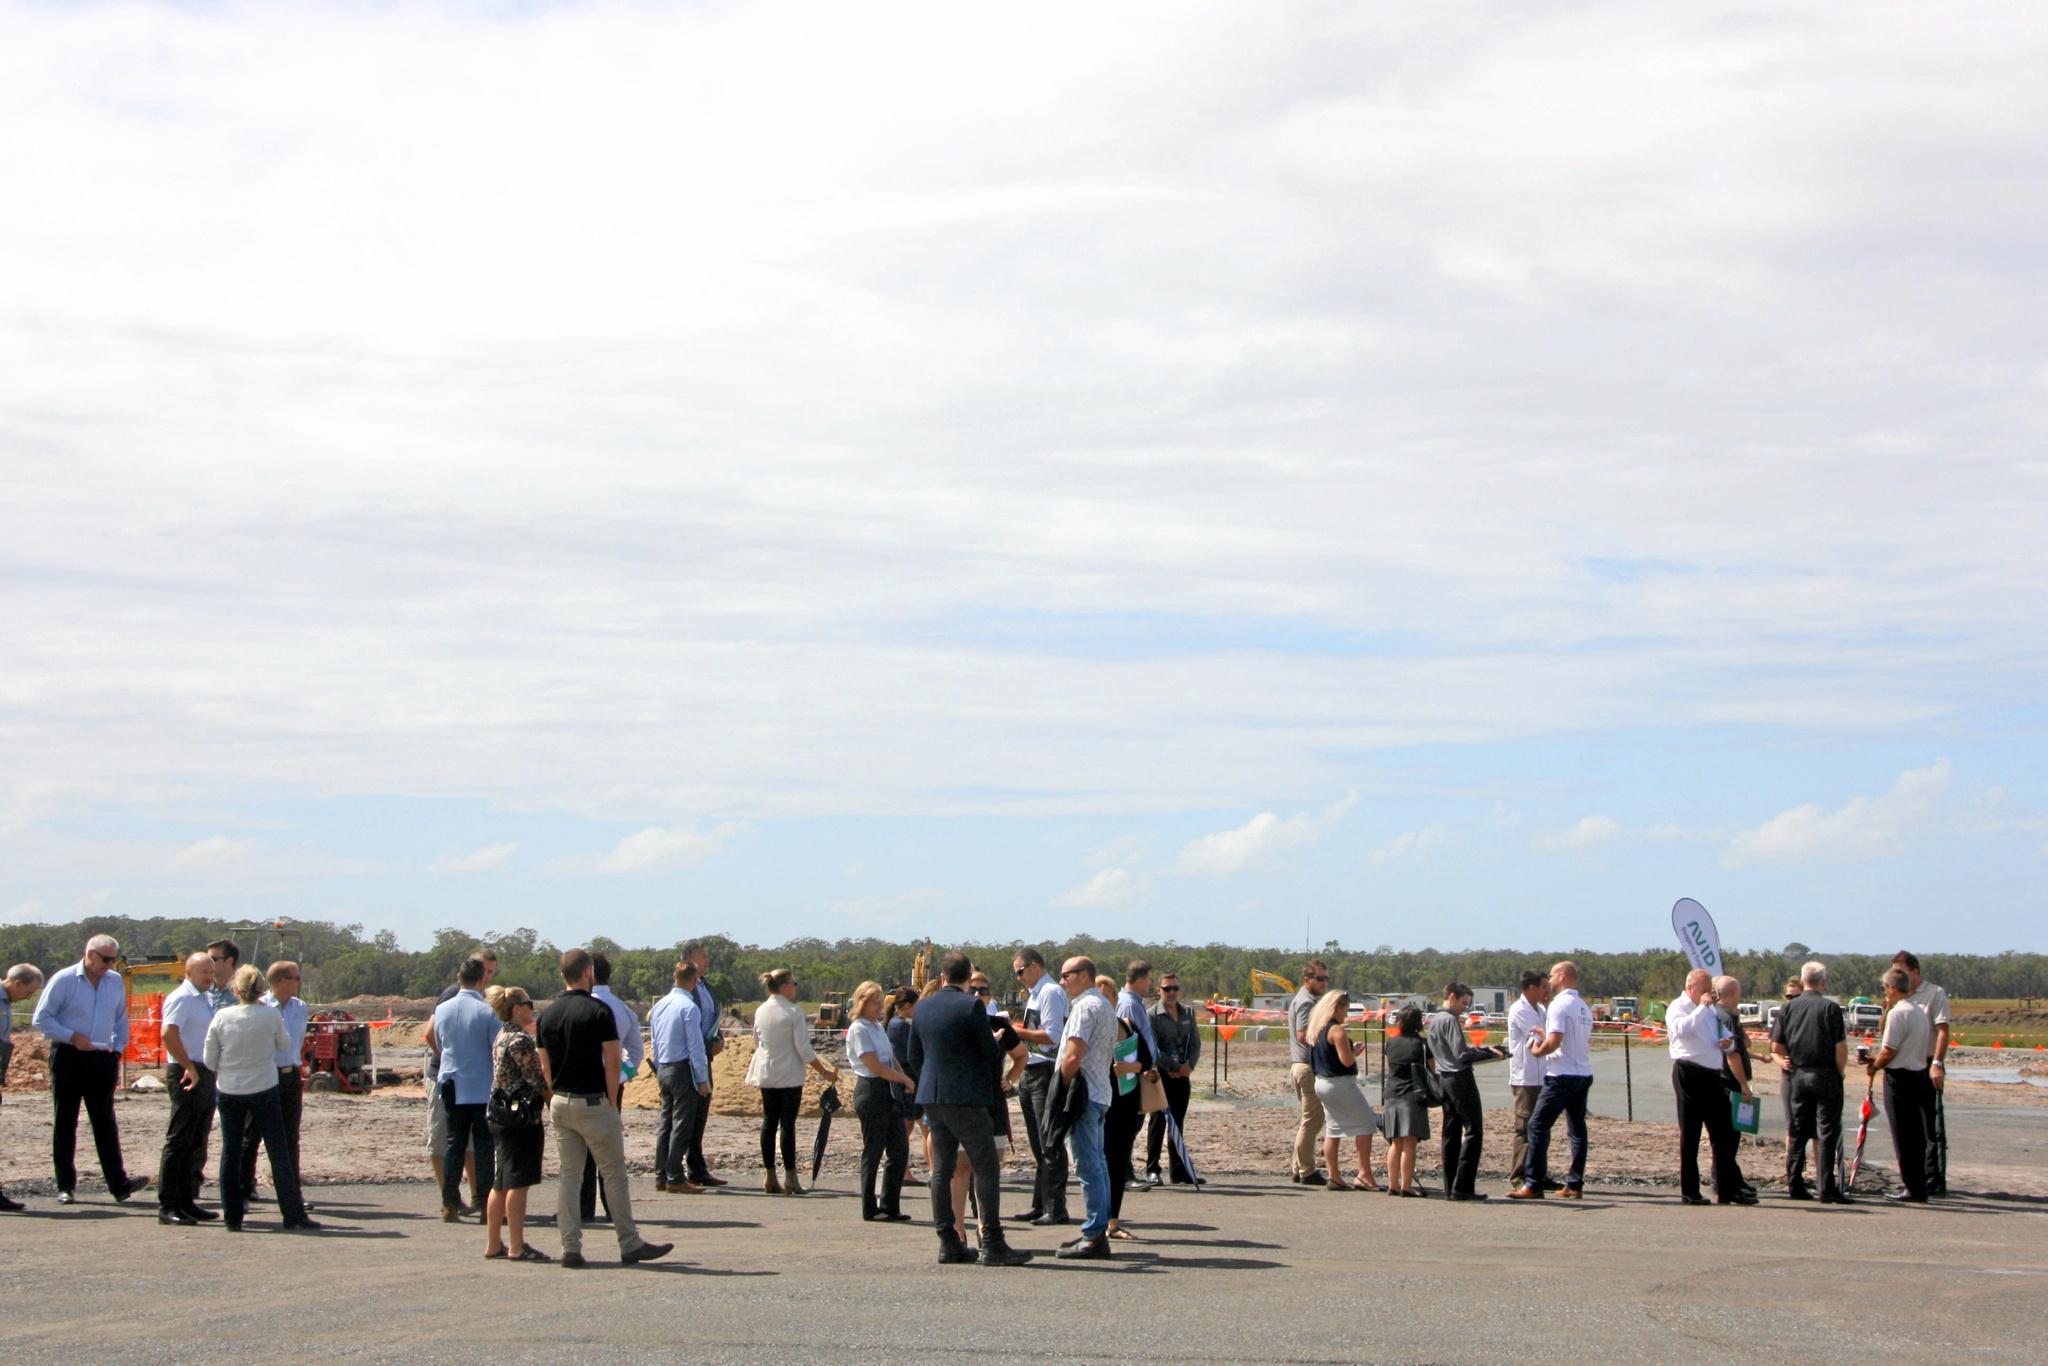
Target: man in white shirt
[[187, 1013], [1904, 1052], [1932, 1002], [1045, 1017], [1699, 1053], [1525, 1071], [632, 1051], [1567, 1047]]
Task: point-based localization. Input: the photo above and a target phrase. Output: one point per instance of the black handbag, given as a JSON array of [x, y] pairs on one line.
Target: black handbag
[[514, 1107], [1432, 1088]]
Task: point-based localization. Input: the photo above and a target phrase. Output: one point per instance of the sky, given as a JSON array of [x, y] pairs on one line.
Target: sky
[[1275, 474]]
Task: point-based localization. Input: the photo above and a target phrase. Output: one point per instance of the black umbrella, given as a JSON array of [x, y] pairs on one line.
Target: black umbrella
[[828, 1106]]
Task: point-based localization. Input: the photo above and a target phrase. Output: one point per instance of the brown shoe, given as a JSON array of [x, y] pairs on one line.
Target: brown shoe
[[770, 1184], [687, 1188], [790, 1185], [1571, 1193], [661, 1185], [1525, 1193]]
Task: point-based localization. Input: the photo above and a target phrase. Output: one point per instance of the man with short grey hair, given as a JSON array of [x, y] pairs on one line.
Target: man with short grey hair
[[22, 981], [1315, 980], [84, 1015], [1810, 1040]]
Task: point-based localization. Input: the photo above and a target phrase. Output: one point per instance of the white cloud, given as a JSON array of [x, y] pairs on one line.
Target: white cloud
[[657, 849], [1258, 840], [1121, 852], [1589, 833], [1107, 888], [1867, 827], [215, 854], [1407, 844], [489, 858]]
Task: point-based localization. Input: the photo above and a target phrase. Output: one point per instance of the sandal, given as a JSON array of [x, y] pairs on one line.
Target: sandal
[[1338, 1183], [497, 1256], [1123, 1235], [530, 1253], [1363, 1181]]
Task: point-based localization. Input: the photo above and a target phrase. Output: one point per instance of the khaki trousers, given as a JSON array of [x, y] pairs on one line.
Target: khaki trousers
[[1304, 1078], [595, 1131], [1525, 1106]]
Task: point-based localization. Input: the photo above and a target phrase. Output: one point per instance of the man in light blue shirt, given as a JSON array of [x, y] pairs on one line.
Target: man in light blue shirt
[[696, 953], [676, 1031], [466, 1027], [1045, 1017], [285, 980], [84, 1015], [632, 1052], [187, 1015]]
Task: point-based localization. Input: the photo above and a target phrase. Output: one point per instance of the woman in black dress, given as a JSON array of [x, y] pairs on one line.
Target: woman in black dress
[[515, 1067], [1407, 1117]]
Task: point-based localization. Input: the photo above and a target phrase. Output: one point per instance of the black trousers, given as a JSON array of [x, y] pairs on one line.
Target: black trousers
[[696, 1164], [1906, 1103], [1464, 1139], [1813, 1105], [969, 1129], [1049, 1183], [89, 1077], [244, 1119], [881, 1138], [779, 1105], [291, 1103], [1119, 1134], [592, 1190], [177, 1172], [468, 1128], [1177, 1089], [1703, 1103]]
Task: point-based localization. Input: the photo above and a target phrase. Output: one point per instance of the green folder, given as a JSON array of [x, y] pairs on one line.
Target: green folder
[[1745, 1112], [1127, 1051]]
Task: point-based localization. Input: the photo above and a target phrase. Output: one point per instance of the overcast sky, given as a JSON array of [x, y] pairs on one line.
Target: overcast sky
[[1463, 476]]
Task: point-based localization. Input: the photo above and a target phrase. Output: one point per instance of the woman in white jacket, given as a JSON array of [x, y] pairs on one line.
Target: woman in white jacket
[[782, 1049]]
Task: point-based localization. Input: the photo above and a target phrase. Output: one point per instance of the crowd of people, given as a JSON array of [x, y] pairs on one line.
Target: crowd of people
[[1093, 1063]]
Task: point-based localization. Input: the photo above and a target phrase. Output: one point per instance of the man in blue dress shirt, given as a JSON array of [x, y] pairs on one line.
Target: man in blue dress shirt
[[707, 1015], [187, 1015], [285, 979], [84, 1015], [466, 1027], [676, 1032]]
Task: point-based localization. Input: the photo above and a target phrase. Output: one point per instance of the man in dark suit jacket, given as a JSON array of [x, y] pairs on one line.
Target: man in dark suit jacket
[[955, 1058]]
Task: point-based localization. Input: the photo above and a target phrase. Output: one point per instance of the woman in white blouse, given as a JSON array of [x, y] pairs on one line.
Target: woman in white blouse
[[242, 1046], [782, 1050], [872, 1060]]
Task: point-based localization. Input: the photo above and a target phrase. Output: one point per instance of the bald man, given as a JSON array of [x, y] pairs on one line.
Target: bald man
[[1699, 1059], [188, 1013], [1567, 1043], [22, 981]]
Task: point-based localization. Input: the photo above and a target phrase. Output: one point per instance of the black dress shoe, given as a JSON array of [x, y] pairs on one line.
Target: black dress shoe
[[1085, 1249], [1836, 1198], [65, 1197], [1152, 1178], [1798, 1193], [1136, 1185], [204, 1216], [1027, 1216], [1694, 1200], [894, 1216], [996, 1252], [573, 1261], [233, 1226], [1468, 1195], [176, 1216], [647, 1252], [1739, 1198], [302, 1225], [8, 1206], [126, 1191], [1052, 1219], [1312, 1179]]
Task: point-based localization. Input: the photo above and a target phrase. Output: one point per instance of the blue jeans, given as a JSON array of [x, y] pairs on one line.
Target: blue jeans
[[1092, 1166], [1560, 1096]]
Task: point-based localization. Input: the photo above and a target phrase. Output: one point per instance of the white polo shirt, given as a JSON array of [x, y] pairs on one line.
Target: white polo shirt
[[1571, 1017], [192, 1013], [1525, 1027]]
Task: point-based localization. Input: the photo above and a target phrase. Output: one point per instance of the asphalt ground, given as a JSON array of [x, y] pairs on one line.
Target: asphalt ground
[[1243, 1270]]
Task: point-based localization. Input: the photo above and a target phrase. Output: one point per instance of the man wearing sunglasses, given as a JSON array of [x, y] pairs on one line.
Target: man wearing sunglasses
[[1180, 1048], [1315, 980], [84, 1015]]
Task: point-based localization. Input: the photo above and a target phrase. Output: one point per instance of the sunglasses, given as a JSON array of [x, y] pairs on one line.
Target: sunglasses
[[1169, 988], [107, 958], [1072, 972], [981, 991]]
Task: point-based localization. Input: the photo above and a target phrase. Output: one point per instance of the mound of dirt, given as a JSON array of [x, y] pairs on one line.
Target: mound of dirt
[[29, 1068], [730, 1094]]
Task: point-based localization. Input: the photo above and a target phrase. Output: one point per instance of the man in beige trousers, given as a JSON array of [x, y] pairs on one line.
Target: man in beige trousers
[[1315, 980]]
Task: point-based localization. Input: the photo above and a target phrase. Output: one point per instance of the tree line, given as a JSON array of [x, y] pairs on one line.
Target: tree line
[[342, 962]]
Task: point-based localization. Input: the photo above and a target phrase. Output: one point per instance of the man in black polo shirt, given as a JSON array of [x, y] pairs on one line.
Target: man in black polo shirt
[[579, 1060], [1810, 1040]]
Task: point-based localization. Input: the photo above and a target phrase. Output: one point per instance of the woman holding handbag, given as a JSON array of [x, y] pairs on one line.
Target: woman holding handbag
[[1408, 1101], [518, 1100], [1345, 1108]]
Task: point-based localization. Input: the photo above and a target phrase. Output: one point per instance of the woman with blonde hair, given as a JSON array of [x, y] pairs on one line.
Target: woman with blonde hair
[[782, 1050], [241, 1050], [518, 1099], [1345, 1108], [872, 1060]]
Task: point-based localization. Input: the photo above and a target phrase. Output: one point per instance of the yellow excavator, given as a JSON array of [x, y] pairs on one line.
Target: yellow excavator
[[1270, 984]]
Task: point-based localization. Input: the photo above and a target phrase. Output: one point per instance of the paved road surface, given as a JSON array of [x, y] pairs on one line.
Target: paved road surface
[[1243, 1271]]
